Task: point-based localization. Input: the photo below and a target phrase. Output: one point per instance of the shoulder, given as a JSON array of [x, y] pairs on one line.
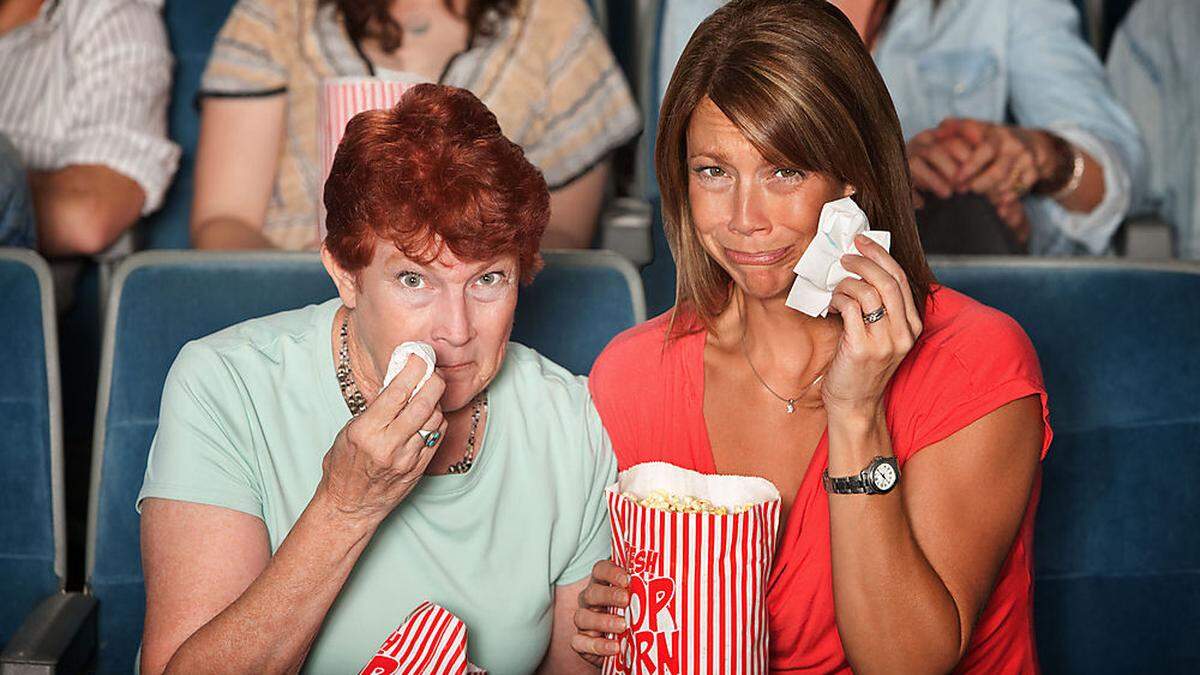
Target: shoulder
[[552, 30], [256, 343], [964, 338], [560, 14], [970, 330], [537, 383], [554, 406], [969, 360], [87, 17], [274, 17], [638, 354]]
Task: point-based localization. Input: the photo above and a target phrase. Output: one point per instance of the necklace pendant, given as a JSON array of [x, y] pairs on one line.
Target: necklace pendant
[[791, 406]]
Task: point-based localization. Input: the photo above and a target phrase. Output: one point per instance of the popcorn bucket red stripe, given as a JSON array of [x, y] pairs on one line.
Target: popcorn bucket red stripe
[[697, 580], [426, 644], [431, 641], [340, 100]]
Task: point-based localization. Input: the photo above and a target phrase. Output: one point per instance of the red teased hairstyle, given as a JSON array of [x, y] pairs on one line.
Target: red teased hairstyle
[[434, 170]]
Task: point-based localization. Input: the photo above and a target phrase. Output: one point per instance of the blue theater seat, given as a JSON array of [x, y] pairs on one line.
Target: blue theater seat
[[163, 299], [32, 562], [1117, 586], [32, 516]]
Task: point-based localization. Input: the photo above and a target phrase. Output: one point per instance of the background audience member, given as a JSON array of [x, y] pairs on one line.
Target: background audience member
[[1154, 66], [1003, 101], [83, 97], [542, 66], [17, 226]]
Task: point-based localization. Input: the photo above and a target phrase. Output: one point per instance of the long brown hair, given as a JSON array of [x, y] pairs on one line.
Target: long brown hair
[[373, 19], [796, 80]]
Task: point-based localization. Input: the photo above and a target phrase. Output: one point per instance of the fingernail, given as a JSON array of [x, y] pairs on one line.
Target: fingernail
[[610, 647], [622, 596], [625, 580]]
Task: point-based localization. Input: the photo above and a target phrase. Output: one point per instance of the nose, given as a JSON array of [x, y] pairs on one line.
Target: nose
[[452, 324], [748, 216]]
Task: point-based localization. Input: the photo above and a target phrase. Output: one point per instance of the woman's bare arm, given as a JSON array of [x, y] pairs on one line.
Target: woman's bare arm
[[237, 158], [216, 601], [575, 208], [913, 569], [561, 658]]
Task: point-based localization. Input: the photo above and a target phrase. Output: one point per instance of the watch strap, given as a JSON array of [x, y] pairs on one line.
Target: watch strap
[[845, 485]]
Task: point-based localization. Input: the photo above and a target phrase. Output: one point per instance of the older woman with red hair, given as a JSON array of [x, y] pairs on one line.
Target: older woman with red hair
[[296, 508]]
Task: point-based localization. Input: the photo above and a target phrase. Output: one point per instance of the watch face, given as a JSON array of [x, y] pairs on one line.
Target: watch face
[[884, 477]]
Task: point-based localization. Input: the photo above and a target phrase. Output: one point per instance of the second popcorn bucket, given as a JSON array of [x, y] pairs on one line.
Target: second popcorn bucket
[[698, 549]]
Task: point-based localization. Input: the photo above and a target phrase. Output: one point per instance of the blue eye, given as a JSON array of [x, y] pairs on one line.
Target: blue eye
[[491, 278], [410, 280]]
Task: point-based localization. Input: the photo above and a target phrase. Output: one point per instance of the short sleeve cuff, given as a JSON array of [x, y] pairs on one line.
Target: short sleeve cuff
[[182, 493], [980, 405], [147, 160], [1094, 230]]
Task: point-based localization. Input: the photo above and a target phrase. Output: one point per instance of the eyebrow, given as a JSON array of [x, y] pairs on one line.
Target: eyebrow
[[718, 154]]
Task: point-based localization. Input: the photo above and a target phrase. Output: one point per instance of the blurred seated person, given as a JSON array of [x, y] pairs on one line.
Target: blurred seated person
[[542, 66], [1015, 141], [330, 504], [84, 86], [1153, 65]]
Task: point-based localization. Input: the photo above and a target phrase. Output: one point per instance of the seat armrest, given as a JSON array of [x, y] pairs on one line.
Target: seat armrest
[[625, 229], [58, 636], [1147, 238]]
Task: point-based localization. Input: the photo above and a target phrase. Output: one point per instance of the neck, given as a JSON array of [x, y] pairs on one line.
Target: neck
[[784, 345], [367, 376], [15, 13]]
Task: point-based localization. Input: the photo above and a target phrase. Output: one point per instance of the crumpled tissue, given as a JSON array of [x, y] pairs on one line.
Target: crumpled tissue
[[820, 270]]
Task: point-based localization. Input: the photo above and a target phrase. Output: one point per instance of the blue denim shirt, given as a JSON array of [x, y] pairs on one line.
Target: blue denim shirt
[[1020, 61], [1154, 65]]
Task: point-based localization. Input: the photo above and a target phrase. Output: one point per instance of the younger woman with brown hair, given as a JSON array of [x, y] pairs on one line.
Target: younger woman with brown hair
[[904, 430]]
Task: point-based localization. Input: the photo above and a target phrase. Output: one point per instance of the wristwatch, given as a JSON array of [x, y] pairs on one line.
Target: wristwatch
[[880, 476]]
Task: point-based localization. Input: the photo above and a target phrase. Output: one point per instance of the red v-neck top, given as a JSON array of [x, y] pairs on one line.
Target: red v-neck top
[[970, 360]]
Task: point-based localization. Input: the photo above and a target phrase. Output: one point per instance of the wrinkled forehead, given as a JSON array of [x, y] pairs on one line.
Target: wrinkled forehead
[[437, 260]]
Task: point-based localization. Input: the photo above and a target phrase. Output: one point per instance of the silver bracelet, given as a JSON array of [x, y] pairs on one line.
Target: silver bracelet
[[1077, 167]]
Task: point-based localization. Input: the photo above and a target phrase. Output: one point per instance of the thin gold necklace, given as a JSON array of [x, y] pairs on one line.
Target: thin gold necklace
[[789, 402]]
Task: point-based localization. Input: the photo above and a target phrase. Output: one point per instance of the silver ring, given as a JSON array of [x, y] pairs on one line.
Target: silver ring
[[872, 317], [429, 437]]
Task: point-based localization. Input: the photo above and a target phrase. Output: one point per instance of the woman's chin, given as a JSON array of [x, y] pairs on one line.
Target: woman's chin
[[766, 287]]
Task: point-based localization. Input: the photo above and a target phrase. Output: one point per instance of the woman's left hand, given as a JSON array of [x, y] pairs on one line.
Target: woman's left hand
[[869, 353]]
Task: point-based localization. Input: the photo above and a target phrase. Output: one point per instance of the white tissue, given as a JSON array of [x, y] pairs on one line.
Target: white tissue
[[820, 270], [400, 356]]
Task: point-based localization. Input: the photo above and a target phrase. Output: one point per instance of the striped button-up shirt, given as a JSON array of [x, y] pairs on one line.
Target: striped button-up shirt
[[88, 82]]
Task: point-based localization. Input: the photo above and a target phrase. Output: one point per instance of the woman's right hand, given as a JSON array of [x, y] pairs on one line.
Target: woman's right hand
[[594, 619], [378, 457]]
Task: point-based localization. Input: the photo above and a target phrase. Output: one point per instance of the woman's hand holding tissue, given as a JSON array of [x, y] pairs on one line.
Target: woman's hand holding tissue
[[869, 353], [379, 456], [593, 619]]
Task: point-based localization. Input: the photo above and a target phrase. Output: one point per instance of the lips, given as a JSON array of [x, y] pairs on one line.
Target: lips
[[759, 258]]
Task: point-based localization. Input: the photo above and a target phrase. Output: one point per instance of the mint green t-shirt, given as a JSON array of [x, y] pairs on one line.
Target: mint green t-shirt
[[248, 414]]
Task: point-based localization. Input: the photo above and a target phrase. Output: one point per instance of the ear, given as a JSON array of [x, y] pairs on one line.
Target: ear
[[346, 281], [848, 190]]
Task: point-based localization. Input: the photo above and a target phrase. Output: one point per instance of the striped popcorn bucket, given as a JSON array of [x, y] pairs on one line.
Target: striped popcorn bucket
[[341, 98], [431, 641], [698, 581]]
